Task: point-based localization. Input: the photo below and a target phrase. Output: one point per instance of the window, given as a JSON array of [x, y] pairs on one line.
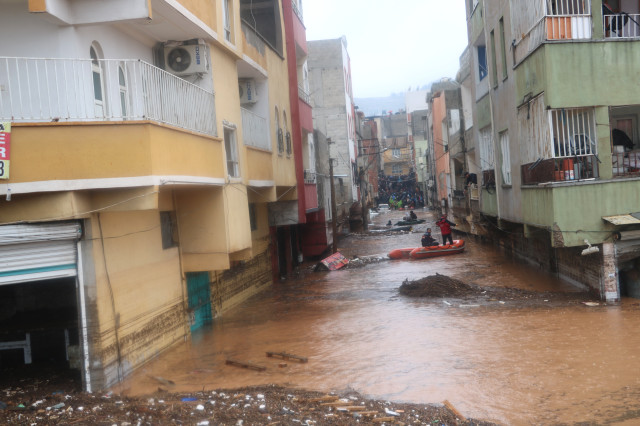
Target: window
[[286, 132], [279, 134], [396, 169], [168, 230], [494, 60], [482, 62], [232, 152], [506, 158], [98, 89], [253, 217], [503, 49], [289, 145], [486, 149], [395, 152], [226, 4], [122, 82]]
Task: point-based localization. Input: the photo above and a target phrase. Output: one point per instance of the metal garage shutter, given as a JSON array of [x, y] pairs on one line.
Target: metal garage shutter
[[38, 252]]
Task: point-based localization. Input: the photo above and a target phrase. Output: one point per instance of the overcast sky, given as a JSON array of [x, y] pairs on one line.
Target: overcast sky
[[393, 45]]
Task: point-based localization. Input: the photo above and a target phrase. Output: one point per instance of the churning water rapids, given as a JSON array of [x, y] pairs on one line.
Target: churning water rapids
[[507, 364]]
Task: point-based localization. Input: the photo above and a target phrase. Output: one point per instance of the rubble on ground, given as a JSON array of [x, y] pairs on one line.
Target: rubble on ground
[[261, 405]]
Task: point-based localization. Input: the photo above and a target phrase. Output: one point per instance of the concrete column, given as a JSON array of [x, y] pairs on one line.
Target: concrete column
[[610, 273]]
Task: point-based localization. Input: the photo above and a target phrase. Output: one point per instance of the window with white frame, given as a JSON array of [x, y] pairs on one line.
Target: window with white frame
[[395, 152], [230, 146], [122, 83], [506, 157], [487, 161], [227, 19], [396, 169], [98, 83]]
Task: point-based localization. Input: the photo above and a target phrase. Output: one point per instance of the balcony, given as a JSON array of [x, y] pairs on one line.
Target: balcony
[[549, 21], [620, 25], [563, 142], [297, 10], [304, 95], [255, 130], [310, 196], [79, 90]]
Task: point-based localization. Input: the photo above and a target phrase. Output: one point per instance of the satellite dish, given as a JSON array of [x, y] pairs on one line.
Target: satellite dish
[[179, 59]]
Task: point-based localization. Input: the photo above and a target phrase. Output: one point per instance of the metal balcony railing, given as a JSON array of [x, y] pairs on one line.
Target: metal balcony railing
[[304, 95], [621, 25], [309, 176], [255, 130], [626, 164], [44, 90], [296, 10]]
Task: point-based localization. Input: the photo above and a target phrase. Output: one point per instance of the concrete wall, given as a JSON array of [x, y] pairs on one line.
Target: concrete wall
[[138, 294], [331, 109]]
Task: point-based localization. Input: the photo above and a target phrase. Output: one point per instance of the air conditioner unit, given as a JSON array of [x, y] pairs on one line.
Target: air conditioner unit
[[185, 59], [248, 93]]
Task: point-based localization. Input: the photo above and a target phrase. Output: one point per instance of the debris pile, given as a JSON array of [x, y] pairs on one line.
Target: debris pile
[[440, 286], [246, 406]]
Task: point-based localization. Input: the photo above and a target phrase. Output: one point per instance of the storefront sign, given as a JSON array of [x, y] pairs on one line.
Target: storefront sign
[[5, 149]]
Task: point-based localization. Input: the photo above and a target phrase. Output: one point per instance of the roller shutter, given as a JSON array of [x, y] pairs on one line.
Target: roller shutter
[[38, 252]]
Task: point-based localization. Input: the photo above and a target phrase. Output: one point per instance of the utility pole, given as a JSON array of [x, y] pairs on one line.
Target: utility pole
[[334, 214]]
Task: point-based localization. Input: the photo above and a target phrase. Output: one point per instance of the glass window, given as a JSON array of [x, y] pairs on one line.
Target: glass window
[[122, 82], [506, 158], [168, 230], [227, 19], [231, 149], [482, 62]]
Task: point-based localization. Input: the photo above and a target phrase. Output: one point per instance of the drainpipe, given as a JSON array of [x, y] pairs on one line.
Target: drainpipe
[[83, 320]]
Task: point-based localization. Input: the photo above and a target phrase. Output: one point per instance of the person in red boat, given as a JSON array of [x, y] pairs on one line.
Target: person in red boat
[[428, 240], [445, 229]]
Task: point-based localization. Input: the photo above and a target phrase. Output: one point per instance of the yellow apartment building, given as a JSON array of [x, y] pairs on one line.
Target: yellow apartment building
[[143, 150]]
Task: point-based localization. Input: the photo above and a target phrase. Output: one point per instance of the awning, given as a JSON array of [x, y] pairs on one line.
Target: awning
[[623, 219]]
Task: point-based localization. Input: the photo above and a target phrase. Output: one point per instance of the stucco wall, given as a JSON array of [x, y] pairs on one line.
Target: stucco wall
[[138, 292]]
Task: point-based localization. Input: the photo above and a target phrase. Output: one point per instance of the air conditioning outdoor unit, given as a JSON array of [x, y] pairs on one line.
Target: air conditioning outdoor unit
[[185, 59], [248, 94]]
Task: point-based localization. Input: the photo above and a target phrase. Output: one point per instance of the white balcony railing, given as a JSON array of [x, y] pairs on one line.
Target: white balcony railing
[[304, 95], [255, 130], [43, 90], [621, 25]]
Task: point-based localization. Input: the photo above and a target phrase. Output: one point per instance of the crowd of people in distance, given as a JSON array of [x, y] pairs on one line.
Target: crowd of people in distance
[[399, 191]]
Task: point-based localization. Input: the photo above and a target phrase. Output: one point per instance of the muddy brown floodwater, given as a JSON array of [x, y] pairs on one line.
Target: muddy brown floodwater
[[499, 361]]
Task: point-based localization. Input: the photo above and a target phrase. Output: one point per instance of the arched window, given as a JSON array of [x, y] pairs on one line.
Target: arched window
[[287, 133], [98, 84], [122, 83]]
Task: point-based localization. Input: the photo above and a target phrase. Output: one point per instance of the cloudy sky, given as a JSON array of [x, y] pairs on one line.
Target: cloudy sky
[[393, 45]]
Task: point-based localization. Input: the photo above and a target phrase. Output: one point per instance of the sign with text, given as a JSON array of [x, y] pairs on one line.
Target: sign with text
[[5, 149]]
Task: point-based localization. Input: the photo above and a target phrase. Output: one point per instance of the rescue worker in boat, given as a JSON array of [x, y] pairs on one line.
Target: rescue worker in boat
[[428, 240], [413, 216], [445, 229]]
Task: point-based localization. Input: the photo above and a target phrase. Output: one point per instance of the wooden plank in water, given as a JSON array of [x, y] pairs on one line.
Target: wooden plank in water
[[454, 411], [248, 365], [283, 355]]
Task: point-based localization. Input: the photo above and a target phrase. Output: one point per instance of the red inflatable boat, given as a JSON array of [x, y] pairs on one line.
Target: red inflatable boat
[[424, 252]]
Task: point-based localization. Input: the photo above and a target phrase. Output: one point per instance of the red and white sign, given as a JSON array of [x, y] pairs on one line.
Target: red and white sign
[[5, 149]]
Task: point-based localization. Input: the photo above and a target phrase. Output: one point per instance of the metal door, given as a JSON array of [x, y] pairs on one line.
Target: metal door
[[199, 299]]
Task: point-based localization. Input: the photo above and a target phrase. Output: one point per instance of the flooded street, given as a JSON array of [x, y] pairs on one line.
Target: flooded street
[[501, 362]]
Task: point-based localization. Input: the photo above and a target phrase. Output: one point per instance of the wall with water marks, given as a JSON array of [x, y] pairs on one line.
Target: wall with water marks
[[243, 280]]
